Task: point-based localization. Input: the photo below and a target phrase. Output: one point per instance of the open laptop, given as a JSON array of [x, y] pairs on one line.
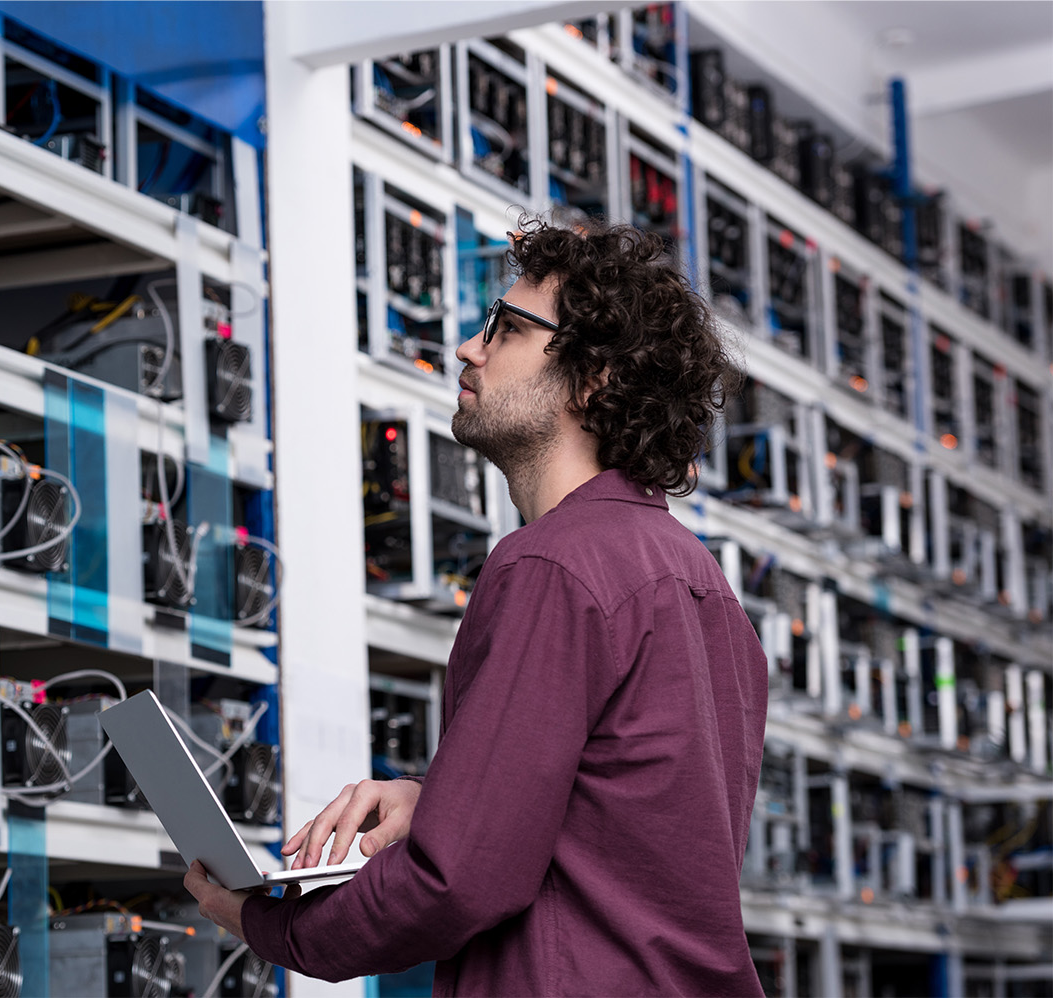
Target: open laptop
[[181, 796]]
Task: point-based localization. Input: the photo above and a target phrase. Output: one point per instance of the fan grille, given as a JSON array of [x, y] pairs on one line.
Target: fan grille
[[44, 759], [260, 783], [257, 978], [148, 968], [46, 517], [10, 965], [165, 582], [231, 381], [254, 589]]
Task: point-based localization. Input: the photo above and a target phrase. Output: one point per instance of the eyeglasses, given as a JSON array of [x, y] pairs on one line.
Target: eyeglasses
[[499, 306]]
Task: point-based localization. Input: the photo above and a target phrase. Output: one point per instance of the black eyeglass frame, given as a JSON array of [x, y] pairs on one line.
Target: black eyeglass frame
[[499, 306]]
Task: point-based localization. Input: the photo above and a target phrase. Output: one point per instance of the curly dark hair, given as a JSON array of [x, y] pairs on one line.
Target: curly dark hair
[[628, 316]]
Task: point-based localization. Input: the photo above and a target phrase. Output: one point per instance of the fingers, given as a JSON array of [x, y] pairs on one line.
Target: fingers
[[384, 809], [296, 840], [196, 880], [308, 842], [364, 800], [396, 814]]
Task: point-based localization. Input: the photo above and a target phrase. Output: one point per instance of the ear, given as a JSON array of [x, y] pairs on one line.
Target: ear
[[592, 383]]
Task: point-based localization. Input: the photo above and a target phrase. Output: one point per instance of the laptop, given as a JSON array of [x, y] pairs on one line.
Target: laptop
[[184, 801]]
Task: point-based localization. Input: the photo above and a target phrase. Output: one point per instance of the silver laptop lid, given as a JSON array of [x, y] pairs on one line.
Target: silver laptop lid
[[177, 790]]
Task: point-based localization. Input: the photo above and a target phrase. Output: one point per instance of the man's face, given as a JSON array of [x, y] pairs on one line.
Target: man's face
[[512, 401]]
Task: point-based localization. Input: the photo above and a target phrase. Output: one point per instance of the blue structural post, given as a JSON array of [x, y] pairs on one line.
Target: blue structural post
[[903, 188]]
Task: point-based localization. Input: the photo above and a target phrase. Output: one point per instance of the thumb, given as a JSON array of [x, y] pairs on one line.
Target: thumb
[[369, 845]]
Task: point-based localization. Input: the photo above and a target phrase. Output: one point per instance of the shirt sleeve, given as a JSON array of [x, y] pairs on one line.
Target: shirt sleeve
[[532, 666]]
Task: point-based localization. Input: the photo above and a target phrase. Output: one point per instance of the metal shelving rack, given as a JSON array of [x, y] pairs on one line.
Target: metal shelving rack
[[897, 566], [70, 221]]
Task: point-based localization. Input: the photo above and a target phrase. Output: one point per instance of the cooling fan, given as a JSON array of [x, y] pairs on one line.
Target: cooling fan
[[252, 793], [28, 759], [253, 589], [144, 966], [10, 965], [45, 517], [248, 977], [229, 367], [166, 572]]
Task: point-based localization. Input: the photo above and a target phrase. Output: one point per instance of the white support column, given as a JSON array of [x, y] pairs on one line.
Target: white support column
[[1014, 702], [813, 657], [829, 642], [939, 534], [888, 697], [841, 812], [996, 733], [912, 667], [324, 679], [731, 565], [1037, 719], [1013, 570], [946, 696], [830, 979]]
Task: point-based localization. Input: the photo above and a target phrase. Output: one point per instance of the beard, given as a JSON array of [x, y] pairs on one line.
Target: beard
[[515, 426]]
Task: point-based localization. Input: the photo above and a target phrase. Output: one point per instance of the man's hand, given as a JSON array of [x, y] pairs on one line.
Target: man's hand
[[383, 808], [217, 903]]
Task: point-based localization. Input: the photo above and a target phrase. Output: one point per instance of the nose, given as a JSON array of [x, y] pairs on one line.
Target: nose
[[472, 351]]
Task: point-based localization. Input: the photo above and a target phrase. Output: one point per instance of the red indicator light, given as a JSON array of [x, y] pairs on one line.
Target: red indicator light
[[391, 434]]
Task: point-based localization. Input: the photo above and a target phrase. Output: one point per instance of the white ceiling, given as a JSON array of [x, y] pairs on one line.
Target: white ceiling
[[991, 59]]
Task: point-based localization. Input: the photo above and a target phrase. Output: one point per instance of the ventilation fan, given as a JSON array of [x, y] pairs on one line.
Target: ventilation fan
[[28, 759], [163, 582], [143, 966], [253, 589], [252, 792], [10, 966], [45, 517], [229, 380], [248, 977]]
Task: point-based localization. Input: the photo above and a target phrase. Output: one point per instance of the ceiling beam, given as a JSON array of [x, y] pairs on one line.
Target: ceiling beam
[[983, 78], [328, 34]]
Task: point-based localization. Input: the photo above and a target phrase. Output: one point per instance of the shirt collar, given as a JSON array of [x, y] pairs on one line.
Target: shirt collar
[[615, 484]]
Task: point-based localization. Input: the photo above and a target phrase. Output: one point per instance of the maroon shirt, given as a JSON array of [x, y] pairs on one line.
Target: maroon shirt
[[582, 827]]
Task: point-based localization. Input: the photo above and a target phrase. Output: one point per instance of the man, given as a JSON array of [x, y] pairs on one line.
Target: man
[[582, 826]]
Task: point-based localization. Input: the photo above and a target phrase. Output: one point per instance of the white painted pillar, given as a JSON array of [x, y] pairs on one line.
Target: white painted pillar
[[1014, 702], [1036, 719], [318, 465], [946, 694]]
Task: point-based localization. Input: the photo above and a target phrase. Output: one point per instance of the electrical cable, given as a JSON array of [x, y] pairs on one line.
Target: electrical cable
[[211, 989], [6, 528], [186, 576], [166, 322], [29, 795], [51, 90], [223, 758], [64, 531]]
